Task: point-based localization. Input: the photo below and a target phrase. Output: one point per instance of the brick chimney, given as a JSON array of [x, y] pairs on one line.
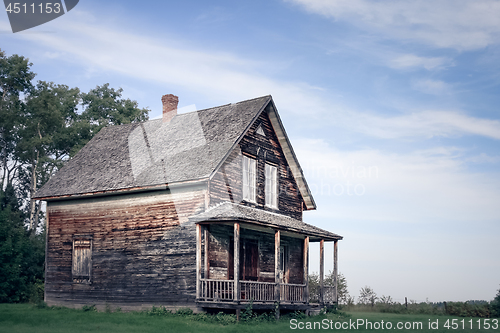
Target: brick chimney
[[169, 107]]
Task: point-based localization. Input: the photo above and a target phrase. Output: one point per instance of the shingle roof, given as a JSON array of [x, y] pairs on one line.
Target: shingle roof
[[228, 211], [189, 147]]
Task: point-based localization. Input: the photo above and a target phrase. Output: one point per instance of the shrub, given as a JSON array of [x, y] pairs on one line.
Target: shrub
[[495, 306], [367, 296], [160, 311], [224, 319], [89, 308], [468, 309], [42, 305], [36, 292], [248, 313], [21, 253], [184, 312]]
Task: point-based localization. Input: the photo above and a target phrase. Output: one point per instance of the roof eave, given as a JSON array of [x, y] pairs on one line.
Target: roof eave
[[159, 187], [318, 235], [291, 158]]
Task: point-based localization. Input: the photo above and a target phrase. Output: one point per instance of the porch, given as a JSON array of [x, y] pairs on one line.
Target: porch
[[271, 262]]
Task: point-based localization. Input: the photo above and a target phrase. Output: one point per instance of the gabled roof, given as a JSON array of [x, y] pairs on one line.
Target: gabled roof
[[192, 146], [231, 212]]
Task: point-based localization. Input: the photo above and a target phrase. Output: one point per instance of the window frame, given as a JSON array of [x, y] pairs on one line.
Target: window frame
[[271, 185], [249, 175]]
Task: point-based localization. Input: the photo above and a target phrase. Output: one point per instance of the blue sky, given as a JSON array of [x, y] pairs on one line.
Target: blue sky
[[392, 109]]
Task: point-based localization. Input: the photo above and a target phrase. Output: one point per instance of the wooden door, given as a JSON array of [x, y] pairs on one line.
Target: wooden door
[[283, 265], [249, 260]]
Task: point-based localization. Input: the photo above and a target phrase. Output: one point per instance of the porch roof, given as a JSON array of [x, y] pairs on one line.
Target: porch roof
[[228, 211]]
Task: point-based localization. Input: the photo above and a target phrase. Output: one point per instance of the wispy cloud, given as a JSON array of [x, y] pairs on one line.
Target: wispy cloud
[[432, 87], [458, 24], [417, 186], [226, 76], [426, 124], [411, 61], [215, 74]]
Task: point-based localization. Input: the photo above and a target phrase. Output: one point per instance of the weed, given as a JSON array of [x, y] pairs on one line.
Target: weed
[[298, 315], [158, 311], [184, 312], [248, 313], [42, 305], [89, 308]]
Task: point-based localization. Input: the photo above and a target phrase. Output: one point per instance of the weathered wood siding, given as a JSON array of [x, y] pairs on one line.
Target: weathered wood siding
[[220, 250], [227, 185], [143, 249], [295, 259]]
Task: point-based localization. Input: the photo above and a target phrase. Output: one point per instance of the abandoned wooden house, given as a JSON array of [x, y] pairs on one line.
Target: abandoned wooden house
[[200, 210]]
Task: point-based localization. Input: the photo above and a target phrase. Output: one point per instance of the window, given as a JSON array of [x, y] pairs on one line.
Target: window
[[249, 179], [271, 186], [82, 259], [260, 131]]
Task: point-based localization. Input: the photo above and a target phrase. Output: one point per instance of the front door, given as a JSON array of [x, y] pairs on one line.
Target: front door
[[283, 264], [249, 260]]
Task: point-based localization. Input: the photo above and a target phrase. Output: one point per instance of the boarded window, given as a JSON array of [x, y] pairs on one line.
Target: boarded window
[[271, 186], [82, 260], [249, 179]]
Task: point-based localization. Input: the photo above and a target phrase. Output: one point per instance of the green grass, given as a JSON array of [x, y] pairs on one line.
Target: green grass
[[29, 318]]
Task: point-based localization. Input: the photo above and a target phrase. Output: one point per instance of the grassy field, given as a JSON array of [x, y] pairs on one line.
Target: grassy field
[[29, 318]]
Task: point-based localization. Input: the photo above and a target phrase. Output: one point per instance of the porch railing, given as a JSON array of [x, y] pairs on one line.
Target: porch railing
[[223, 290], [329, 294], [293, 292], [257, 291], [217, 290]]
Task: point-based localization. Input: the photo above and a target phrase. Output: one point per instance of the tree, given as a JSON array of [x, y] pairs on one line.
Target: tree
[[41, 127], [342, 292], [15, 80], [313, 282], [367, 296], [52, 131], [495, 306], [103, 106], [48, 133], [21, 257]]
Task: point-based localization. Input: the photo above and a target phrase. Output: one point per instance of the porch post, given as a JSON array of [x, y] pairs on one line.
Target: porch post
[[306, 269], [236, 259], [277, 240], [321, 270], [205, 263], [198, 261], [335, 251]]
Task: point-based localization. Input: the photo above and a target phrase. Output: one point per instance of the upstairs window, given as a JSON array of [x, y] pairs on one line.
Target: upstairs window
[[82, 259], [271, 186], [249, 179]]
